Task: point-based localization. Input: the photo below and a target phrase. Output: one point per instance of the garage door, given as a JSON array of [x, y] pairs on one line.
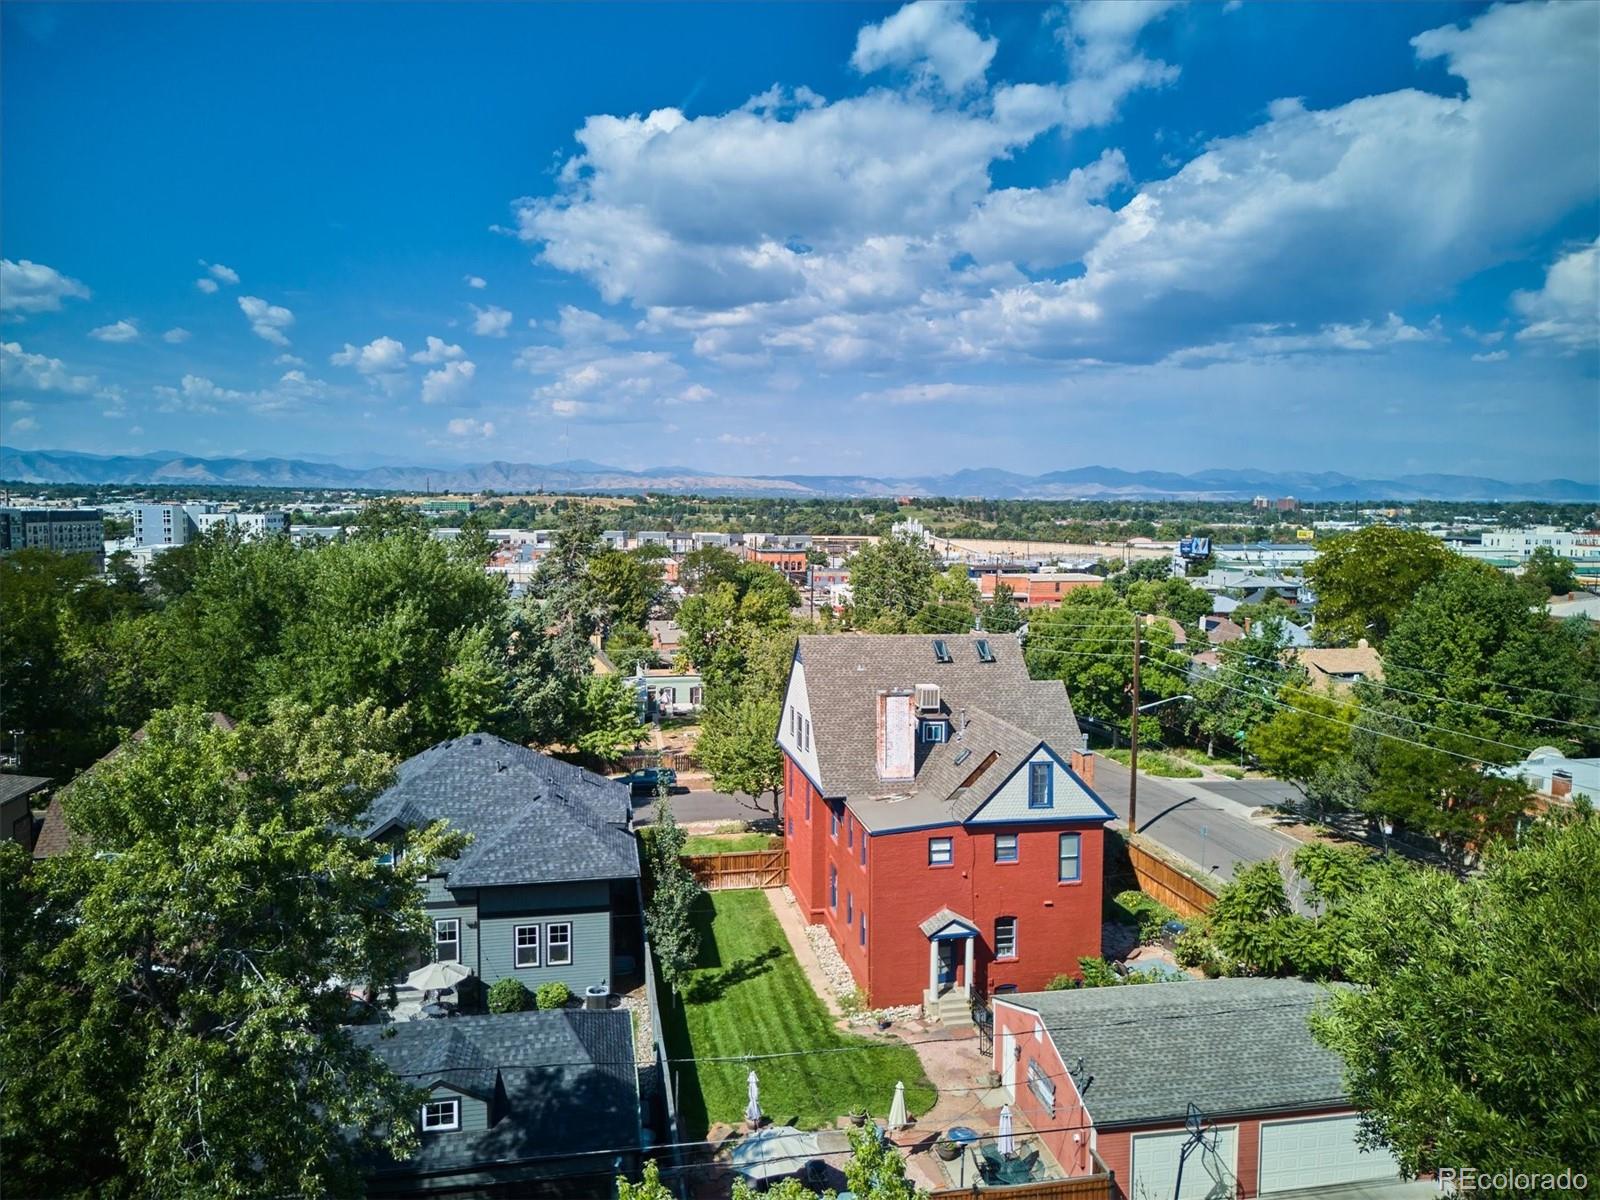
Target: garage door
[[1209, 1173], [1312, 1153]]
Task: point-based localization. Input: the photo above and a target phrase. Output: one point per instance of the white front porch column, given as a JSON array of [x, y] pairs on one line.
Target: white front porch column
[[969, 966], [933, 966]]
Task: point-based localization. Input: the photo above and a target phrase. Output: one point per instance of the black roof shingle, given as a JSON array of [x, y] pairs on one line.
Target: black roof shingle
[[534, 819]]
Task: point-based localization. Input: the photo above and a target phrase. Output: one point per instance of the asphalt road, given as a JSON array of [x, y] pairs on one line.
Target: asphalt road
[[1189, 820], [1253, 793]]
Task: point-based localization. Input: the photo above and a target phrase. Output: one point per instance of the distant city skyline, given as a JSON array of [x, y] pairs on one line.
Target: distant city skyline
[[820, 239]]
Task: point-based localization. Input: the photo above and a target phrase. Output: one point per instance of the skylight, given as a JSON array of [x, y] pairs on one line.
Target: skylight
[[941, 652], [985, 654]]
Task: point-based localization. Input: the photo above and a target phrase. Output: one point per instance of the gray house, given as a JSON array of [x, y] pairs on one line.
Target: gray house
[[529, 1104], [549, 887]]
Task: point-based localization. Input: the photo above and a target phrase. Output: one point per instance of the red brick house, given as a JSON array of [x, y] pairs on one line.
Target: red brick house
[[940, 816], [1117, 1069], [1039, 589]]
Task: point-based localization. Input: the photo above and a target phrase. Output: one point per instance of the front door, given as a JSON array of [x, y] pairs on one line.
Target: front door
[[947, 964]]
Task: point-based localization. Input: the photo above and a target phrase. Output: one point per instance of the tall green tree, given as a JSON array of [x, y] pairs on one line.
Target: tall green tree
[[173, 983], [737, 744], [1364, 580], [573, 608], [607, 721], [629, 583], [1087, 641], [629, 647], [669, 913], [1241, 693], [707, 566], [1003, 614], [1547, 574], [890, 581], [1305, 736], [1474, 1040]]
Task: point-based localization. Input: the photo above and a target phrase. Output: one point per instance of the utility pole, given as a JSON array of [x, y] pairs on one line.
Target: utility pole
[[1133, 735]]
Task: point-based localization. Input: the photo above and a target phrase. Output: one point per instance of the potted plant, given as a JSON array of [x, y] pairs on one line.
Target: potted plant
[[947, 1150], [858, 1116]]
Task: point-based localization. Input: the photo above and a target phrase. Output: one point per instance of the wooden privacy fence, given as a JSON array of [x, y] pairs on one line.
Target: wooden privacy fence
[[1159, 879], [743, 869]]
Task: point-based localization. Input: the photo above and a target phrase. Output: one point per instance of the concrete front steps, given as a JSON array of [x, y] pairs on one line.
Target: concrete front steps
[[953, 1009]]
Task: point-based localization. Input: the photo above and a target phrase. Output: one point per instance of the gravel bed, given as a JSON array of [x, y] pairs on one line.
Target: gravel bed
[[638, 1003], [839, 980]]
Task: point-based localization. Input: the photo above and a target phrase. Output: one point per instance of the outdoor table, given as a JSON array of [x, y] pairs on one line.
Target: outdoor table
[[436, 1009]]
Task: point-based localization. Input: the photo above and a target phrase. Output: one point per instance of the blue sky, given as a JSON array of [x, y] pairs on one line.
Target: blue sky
[[808, 238]]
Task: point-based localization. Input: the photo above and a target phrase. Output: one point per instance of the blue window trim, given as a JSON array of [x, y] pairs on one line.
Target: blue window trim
[[934, 731], [1016, 848], [1037, 771], [950, 846], [1077, 858], [1013, 953]]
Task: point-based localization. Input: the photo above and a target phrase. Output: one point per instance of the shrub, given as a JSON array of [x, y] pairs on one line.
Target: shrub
[[1097, 972], [1193, 948], [554, 995], [1149, 914], [1061, 983], [509, 996], [851, 1004]]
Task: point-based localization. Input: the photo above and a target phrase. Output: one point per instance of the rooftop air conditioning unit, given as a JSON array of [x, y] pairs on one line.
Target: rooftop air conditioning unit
[[927, 697]]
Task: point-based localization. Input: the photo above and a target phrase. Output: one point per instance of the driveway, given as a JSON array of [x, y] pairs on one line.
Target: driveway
[[695, 805], [1211, 832]]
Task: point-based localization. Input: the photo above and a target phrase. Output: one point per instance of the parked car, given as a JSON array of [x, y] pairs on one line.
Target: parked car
[[647, 781]]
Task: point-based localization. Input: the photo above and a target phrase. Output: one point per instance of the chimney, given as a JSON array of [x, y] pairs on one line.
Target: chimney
[[1363, 644], [1560, 784], [897, 733], [1082, 764]]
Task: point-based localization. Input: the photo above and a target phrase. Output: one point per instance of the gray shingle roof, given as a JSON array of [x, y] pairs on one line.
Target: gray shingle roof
[[1229, 1046], [995, 707], [12, 786], [559, 1083], [534, 819]]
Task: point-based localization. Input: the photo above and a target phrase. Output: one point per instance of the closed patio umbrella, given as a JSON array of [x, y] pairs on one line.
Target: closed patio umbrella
[[897, 1110], [773, 1152], [1007, 1144], [752, 1110], [437, 976]]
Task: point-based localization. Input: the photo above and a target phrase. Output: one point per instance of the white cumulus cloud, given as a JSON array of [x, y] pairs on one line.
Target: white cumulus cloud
[[125, 330], [221, 273], [465, 427], [1565, 312], [40, 373], [934, 40], [438, 351], [30, 287], [449, 383], [176, 335], [267, 321], [491, 321], [476, 281], [380, 356]]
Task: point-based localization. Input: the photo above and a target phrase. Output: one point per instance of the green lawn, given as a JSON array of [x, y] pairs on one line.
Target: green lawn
[[730, 843], [749, 996]]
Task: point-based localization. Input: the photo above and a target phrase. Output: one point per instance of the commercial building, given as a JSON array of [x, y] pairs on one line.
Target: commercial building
[[176, 524], [941, 819], [1038, 589], [64, 530]]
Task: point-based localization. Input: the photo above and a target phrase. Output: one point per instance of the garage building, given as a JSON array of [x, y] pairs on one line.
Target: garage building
[[1189, 1091]]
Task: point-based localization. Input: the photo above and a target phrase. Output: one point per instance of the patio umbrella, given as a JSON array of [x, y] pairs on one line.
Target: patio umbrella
[[437, 976], [897, 1110], [1006, 1143], [752, 1110], [772, 1152]]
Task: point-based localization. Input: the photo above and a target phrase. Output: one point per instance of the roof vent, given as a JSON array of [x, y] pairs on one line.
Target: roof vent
[[477, 741], [927, 697], [941, 651]]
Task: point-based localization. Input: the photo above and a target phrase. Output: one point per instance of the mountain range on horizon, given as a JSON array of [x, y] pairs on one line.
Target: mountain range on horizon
[[581, 475]]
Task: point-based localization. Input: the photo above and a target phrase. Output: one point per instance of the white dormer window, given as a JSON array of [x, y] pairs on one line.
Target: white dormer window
[[441, 1116], [934, 731]]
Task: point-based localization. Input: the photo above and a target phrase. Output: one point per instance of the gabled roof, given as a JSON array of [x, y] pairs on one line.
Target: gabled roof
[[1228, 1046], [559, 1082], [993, 708], [534, 819], [54, 835], [946, 919], [1327, 661], [12, 786]]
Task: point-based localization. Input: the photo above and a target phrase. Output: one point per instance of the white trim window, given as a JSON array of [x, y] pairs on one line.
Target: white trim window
[[1005, 937], [933, 731], [558, 944], [1044, 1091], [447, 939], [441, 1116], [526, 941], [1005, 848], [941, 852], [1070, 858]]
